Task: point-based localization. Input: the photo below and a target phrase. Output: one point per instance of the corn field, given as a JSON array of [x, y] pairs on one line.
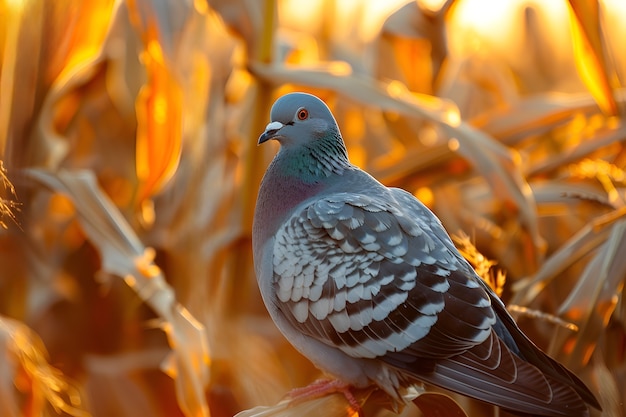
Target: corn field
[[130, 171]]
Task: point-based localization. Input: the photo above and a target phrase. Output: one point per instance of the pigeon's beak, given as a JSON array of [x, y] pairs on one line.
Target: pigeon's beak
[[270, 132]]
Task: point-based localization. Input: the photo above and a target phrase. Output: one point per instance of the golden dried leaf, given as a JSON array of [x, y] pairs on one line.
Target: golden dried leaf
[[8, 205], [588, 239], [28, 384], [124, 255], [390, 96], [501, 168], [596, 72], [86, 25], [159, 111], [412, 48], [482, 265], [592, 302], [540, 315], [609, 386]]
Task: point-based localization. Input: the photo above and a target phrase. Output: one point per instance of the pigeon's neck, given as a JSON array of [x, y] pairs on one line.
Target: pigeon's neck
[[314, 162], [293, 177]]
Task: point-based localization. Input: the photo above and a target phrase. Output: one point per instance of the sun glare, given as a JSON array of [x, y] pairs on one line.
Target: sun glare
[[15, 4], [432, 5], [484, 18]]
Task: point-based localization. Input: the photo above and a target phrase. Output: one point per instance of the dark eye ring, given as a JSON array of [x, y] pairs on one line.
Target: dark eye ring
[[303, 114]]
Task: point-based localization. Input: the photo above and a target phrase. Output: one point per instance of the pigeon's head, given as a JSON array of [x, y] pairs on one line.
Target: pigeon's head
[[300, 119]]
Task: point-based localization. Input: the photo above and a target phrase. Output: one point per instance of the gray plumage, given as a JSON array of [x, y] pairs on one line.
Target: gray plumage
[[364, 281]]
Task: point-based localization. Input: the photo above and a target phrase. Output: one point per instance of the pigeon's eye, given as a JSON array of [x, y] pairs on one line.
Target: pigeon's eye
[[303, 114]]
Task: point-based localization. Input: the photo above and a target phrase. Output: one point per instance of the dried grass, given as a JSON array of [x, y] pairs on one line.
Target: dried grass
[[128, 139]]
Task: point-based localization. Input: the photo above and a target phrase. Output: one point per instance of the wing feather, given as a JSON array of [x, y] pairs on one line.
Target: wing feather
[[375, 280]]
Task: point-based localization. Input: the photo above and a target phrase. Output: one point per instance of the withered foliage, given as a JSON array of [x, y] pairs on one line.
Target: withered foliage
[[130, 169]]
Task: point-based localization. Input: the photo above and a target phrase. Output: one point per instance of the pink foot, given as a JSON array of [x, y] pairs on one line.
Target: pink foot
[[322, 387]]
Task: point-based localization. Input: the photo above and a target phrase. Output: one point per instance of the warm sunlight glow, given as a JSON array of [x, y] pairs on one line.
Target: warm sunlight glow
[[15, 4], [425, 195], [453, 117], [86, 44], [145, 264], [502, 26], [160, 109], [615, 6], [201, 6], [339, 68], [61, 207], [429, 135], [155, 51], [396, 89], [301, 15], [374, 14], [487, 17], [453, 144], [431, 5]]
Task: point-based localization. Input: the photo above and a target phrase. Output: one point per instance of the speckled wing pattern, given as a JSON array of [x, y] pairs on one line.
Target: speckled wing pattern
[[373, 275]]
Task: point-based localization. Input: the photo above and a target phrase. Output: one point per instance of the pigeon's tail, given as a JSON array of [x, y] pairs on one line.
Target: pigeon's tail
[[535, 356], [490, 372]]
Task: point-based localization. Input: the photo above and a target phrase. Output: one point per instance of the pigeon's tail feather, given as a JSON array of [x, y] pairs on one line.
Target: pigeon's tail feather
[[490, 372]]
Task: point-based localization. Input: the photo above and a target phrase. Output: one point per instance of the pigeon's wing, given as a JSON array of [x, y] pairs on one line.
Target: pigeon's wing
[[368, 276], [376, 276]]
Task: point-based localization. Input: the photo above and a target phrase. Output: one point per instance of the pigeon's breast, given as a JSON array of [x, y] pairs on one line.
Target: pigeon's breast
[[278, 196]]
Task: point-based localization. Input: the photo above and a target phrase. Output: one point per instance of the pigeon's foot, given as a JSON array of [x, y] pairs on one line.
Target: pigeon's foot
[[323, 387]]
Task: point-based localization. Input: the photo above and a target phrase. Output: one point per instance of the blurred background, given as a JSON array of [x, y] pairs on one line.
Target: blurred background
[[130, 170]]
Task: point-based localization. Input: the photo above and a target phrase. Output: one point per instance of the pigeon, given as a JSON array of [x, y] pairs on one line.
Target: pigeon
[[366, 283]]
